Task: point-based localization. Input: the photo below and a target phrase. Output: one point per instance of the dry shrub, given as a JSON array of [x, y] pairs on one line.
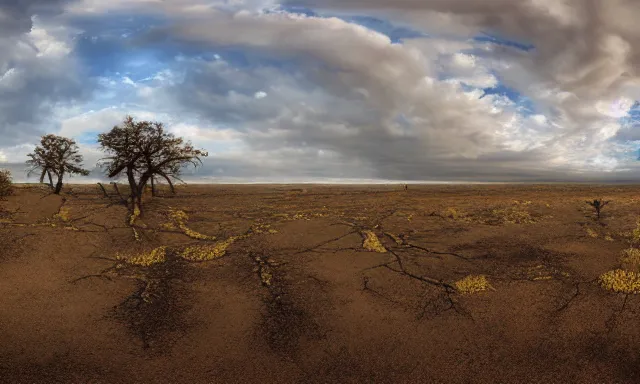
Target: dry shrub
[[6, 183], [621, 281], [513, 215], [592, 233], [452, 213], [631, 258], [472, 284]]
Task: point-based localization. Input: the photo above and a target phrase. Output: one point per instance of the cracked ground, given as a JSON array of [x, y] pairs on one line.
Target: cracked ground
[[317, 284]]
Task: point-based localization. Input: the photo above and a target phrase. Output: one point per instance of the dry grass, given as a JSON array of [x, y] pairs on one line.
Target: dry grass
[[621, 281], [472, 284], [134, 216], [513, 215], [452, 213], [206, 252], [591, 233], [180, 218], [635, 235], [64, 214], [631, 259], [372, 242], [263, 228], [147, 259]]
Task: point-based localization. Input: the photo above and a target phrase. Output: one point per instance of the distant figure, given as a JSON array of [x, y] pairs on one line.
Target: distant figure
[[406, 187]]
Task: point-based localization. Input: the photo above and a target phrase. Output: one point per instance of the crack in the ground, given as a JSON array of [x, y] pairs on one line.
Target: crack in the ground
[[445, 297], [575, 294], [612, 321], [315, 247], [284, 322]]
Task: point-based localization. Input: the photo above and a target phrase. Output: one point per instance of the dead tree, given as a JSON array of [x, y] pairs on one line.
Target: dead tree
[[56, 155], [598, 205], [142, 150]]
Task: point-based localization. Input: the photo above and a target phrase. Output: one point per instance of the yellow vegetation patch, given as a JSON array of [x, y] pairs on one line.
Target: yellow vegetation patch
[[372, 243], [136, 235], [206, 252], [168, 226], [513, 215], [592, 233], [266, 276], [608, 238], [147, 259], [472, 284], [180, 218], [452, 213], [635, 239], [63, 214], [263, 228], [134, 215], [621, 281]]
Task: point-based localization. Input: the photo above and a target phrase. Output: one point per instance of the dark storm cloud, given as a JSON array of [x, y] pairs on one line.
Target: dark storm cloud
[[36, 70], [15, 15]]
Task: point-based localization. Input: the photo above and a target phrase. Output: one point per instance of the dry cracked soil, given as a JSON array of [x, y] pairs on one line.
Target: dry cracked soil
[[317, 284]]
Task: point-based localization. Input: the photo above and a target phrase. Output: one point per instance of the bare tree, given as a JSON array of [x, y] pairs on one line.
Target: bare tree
[[598, 205], [141, 150], [56, 155]]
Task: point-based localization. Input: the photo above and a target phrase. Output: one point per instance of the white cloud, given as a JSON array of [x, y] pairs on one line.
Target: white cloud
[[358, 105]]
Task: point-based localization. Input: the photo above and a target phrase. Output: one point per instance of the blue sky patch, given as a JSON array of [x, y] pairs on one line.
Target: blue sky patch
[[495, 39]]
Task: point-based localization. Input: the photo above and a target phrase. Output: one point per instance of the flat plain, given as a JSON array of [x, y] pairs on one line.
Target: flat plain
[[318, 284]]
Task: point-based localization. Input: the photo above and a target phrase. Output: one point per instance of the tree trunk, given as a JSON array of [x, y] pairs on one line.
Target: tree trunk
[[173, 191], [59, 184], [50, 179], [122, 199], [135, 195], [104, 191]]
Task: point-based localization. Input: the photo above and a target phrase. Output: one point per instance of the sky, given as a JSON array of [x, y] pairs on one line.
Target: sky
[[335, 90]]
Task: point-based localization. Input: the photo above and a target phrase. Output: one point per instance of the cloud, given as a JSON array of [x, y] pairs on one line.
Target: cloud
[[478, 90], [37, 70]]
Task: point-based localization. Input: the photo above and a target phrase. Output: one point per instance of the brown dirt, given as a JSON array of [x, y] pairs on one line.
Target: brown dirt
[[299, 300]]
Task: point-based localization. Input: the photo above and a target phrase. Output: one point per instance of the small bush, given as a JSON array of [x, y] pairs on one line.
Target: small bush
[[621, 281], [472, 284], [6, 183]]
